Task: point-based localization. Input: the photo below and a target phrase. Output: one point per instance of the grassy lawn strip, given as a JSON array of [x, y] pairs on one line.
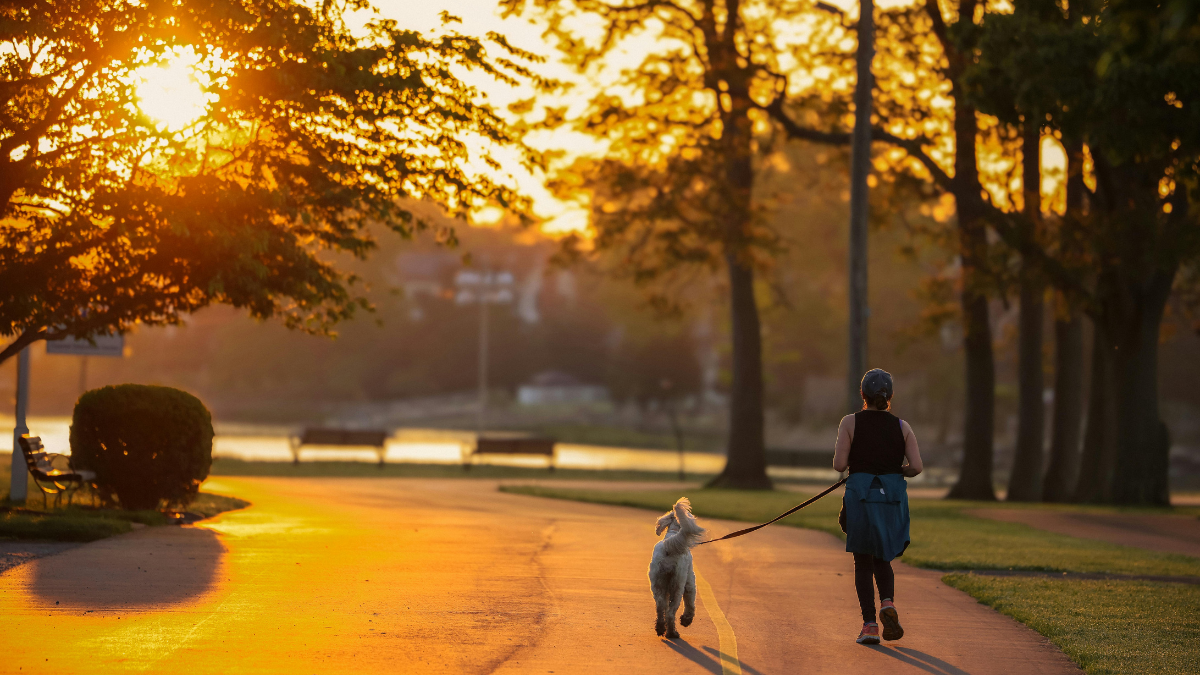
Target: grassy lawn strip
[[61, 525], [942, 536], [1104, 626], [209, 505], [85, 523]]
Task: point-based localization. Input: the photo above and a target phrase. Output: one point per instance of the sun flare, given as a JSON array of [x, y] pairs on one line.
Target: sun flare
[[171, 94]]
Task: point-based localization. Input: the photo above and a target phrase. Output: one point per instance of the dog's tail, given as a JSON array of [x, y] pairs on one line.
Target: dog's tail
[[690, 533]]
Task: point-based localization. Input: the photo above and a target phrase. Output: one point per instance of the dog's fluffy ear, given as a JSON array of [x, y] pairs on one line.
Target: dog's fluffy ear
[[666, 520]]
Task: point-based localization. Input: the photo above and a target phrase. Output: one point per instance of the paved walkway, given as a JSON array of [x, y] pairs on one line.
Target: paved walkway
[[1167, 533], [13, 553], [445, 576]]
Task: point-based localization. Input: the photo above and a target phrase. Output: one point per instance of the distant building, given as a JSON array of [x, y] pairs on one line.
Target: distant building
[[554, 387], [516, 280]]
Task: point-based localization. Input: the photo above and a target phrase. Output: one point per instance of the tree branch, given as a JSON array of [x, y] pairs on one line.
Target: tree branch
[[650, 5], [26, 338], [1012, 230], [934, 10], [34, 132], [913, 146]]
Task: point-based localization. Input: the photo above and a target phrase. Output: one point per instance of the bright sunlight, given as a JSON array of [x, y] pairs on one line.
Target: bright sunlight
[[171, 94]]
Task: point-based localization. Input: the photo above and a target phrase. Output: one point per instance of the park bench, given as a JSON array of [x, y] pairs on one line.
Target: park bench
[[341, 438], [511, 445], [52, 473]]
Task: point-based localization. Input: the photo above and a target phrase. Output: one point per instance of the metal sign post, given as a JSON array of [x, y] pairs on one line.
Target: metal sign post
[[485, 288], [17, 488], [104, 345]]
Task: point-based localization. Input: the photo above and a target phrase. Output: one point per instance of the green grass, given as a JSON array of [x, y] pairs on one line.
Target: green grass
[[943, 537], [237, 467], [209, 505], [1107, 627], [87, 523], [82, 521], [60, 526]]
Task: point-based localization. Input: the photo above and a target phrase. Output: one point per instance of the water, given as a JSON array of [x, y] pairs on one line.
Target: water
[[263, 443]]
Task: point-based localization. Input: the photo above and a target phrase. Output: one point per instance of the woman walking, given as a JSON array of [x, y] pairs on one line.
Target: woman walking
[[879, 449]]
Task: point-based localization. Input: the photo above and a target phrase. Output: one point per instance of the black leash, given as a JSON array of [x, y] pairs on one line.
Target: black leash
[[781, 516]]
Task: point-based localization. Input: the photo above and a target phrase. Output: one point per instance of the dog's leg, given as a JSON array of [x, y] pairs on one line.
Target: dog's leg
[[676, 596], [689, 600], [660, 623], [671, 633]]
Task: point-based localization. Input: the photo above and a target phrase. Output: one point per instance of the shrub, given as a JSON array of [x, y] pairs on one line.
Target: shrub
[[148, 445]]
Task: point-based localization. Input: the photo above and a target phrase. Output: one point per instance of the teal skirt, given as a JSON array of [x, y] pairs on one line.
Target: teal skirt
[[876, 514]]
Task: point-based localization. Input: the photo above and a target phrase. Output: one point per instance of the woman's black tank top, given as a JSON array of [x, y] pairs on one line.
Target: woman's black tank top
[[878, 444]]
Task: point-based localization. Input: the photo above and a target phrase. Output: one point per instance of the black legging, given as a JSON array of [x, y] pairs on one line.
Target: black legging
[[866, 566]]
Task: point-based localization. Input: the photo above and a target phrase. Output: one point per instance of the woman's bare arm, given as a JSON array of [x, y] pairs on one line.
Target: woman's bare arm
[[841, 449], [911, 452]]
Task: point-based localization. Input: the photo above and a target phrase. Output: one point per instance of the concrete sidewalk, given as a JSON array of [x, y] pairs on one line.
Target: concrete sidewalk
[[451, 576]]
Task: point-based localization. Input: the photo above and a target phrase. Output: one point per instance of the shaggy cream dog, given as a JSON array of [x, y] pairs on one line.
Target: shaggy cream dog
[[671, 576]]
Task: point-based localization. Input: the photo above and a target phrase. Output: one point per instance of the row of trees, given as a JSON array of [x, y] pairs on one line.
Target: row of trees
[[312, 133], [963, 99]]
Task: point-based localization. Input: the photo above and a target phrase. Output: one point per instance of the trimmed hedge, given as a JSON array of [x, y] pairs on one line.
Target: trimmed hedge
[[149, 446]]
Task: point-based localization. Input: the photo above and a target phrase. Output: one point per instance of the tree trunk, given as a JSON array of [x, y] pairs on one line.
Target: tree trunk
[[1025, 481], [1142, 444], [1100, 436], [1063, 472], [1131, 298], [1068, 409], [746, 459], [746, 463], [975, 475]]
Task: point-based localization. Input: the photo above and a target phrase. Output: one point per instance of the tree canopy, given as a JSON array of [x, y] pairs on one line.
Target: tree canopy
[[685, 127], [311, 132]]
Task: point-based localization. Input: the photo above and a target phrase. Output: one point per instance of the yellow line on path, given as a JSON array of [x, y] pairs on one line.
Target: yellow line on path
[[728, 641]]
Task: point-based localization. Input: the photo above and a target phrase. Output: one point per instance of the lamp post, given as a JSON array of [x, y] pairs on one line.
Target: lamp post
[[17, 488], [860, 163], [483, 288]]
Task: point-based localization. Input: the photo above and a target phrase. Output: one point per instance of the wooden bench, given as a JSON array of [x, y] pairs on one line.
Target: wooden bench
[[341, 438], [52, 473], [504, 445]]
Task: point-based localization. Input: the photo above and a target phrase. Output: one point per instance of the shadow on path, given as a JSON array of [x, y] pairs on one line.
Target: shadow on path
[[710, 663], [745, 668], [919, 659], [692, 654], [13, 553], [146, 569]]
